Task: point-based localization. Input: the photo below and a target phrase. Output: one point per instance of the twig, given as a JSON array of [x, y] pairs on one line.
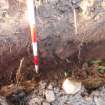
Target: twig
[[75, 20], [18, 74]]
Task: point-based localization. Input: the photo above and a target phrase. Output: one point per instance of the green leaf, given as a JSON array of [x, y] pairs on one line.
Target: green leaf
[[101, 69]]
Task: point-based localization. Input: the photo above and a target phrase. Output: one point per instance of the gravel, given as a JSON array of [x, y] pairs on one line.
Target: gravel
[[56, 96]]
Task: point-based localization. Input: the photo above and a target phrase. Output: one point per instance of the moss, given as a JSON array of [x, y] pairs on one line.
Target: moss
[[93, 83], [67, 73], [96, 62], [100, 69]]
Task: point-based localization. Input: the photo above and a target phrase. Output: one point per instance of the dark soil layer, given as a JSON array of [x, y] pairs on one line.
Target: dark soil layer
[[60, 49]]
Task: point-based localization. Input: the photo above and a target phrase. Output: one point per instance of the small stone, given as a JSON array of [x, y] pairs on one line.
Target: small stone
[[50, 86], [56, 90], [42, 84], [96, 93], [71, 86], [99, 100], [46, 103], [50, 96], [35, 101], [3, 101], [85, 66], [87, 98]]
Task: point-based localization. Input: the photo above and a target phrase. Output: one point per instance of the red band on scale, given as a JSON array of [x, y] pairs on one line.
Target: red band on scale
[[36, 60]]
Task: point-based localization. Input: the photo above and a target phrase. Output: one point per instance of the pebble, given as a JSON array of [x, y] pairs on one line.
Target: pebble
[[56, 90], [88, 98], [35, 101], [42, 84], [46, 103], [50, 95], [50, 86], [99, 100], [3, 101]]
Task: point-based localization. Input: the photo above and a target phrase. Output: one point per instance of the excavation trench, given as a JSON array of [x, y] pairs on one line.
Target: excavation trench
[[60, 48]]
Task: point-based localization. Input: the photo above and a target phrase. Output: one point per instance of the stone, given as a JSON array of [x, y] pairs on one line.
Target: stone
[[35, 101], [50, 86], [99, 100], [42, 84], [3, 101], [88, 98], [46, 103], [4, 4], [71, 86], [56, 90], [50, 95]]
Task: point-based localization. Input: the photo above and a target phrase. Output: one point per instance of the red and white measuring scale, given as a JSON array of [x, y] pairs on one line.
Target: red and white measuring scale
[[32, 23]]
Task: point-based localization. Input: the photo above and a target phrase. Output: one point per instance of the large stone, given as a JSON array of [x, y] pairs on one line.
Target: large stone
[[71, 86]]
